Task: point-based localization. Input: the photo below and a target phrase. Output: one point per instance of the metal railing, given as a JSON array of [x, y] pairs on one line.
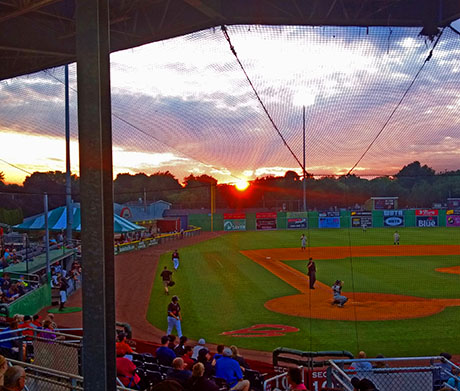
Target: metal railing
[[393, 374]]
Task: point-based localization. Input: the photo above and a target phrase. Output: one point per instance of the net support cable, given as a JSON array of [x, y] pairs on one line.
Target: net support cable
[[428, 58]]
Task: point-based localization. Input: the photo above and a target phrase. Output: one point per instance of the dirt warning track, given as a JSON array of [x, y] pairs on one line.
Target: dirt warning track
[[361, 306]]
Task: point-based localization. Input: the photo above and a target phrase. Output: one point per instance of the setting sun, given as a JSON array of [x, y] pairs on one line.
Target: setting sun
[[241, 185]]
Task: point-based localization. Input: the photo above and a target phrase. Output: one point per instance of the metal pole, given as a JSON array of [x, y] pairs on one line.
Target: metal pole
[[47, 237], [304, 171], [212, 207], [27, 254], [96, 179], [68, 185]]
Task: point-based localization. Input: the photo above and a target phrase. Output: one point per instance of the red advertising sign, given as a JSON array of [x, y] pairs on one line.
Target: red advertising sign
[[426, 212], [236, 216], [266, 215]]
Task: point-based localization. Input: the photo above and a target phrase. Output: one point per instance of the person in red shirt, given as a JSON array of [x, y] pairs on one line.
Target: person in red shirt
[[122, 347], [187, 357], [126, 372]]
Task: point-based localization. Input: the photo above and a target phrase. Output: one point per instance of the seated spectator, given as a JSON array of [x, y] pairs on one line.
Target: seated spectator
[[236, 356], [187, 357], [229, 369], [13, 292], [14, 379], [6, 282], [10, 347], [179, 349], [363, 384], [122, 347], [47, 331], [126, 372], [27, 324], [198, 347], [361, 367], [220, 349], [3, 368], [168, 385], [380, 364], [164, 354], [453, 380], [295, 379], [172, 342], [178, 371], [445, 368], [4, 298], [198, 382], [36, 321], [50, 317], [204, 357]]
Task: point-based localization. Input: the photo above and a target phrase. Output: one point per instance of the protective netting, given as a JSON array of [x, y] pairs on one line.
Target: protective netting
[[184, 104]]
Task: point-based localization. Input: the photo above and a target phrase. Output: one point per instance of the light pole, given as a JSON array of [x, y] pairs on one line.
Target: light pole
[[213, 205], [303, 168]]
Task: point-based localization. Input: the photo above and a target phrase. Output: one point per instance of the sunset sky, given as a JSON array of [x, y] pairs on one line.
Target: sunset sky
[[184, 105]]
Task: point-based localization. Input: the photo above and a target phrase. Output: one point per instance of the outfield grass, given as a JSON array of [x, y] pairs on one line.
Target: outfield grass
[[222, 290]]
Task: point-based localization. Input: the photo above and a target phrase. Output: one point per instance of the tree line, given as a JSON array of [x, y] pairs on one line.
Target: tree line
[[416, 185]]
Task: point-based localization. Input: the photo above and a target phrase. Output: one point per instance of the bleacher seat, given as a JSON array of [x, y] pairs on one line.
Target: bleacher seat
[[221, 383], [153, 377], [255, 378]]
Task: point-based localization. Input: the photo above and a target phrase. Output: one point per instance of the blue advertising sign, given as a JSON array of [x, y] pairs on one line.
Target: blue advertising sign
[[329, 222]]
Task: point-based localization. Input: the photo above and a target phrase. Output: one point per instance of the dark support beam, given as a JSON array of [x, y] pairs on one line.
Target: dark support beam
[[204, 8], [33, 6], [93, 75]]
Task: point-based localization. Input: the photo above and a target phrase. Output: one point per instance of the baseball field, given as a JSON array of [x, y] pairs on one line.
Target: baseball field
[[251, 289]]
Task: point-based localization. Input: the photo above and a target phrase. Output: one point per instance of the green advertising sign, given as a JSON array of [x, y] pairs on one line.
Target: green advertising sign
[[235, 225]]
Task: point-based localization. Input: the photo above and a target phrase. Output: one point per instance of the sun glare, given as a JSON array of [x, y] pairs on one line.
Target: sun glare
[[241, 185]]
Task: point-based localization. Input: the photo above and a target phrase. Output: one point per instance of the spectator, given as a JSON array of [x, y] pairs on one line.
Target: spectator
[[363, 384], [444, 366], [454, 381], [295, 379], [126, 372], [172, 342], [168, 385], [179, 349], [240, 359], [122, 347], [220, 349], [380, 364], [198, 382], [187, 357], [11, 347], [14, 379], [47, 332], [50, 317], [165, 355], [36, 321], [178, 371], [3, 368], [362, 367], [204, 357], [198, 347], [229, 369]]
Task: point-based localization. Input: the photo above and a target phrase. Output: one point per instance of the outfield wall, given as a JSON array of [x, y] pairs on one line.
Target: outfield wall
[[266, 220]]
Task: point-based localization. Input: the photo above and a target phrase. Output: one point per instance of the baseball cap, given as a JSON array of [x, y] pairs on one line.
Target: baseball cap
[[227, 352], [201, 341], [175, 298]]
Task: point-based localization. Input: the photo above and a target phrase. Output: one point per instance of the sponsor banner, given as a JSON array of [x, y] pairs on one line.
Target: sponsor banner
[[426, 212], [297, 223], [329, 222], [361, 221], [329, 214], [393, 221], [234, 216], [426, 221], [264, 224], [453, 220], [391, 213], [453, 212], [297, 215], [453, 202], [235, 225], [384, 204], [266, 215]]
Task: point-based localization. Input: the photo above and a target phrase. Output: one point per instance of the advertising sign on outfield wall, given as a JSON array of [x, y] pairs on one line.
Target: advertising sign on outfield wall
[[266, 220], [393, 218], [297, 220], [383, 203], [360, 219], [426, 221], [235, 225], [453, 218], [329, 220]]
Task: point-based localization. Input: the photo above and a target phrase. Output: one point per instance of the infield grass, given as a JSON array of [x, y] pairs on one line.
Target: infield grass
[[222, 290]]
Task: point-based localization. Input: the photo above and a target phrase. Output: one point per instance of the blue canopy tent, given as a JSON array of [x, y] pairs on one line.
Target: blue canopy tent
[[57, 221]]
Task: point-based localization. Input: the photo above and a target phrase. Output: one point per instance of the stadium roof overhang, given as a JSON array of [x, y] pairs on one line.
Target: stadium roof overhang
[[39, 34]]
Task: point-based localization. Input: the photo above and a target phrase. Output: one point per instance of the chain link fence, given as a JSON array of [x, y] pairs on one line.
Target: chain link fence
[[393, 374]]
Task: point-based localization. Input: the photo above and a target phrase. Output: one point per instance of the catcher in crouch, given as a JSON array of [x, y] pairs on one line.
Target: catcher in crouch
[[337, 294]]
